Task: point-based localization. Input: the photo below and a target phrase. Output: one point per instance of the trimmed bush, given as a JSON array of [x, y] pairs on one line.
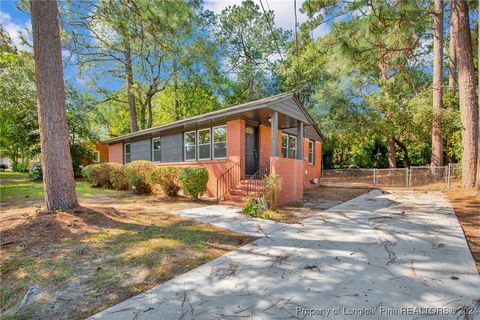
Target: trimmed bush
[[118, 178], [36, 173], [166, 178], [137, 173], [98, 174], [3, 167], [193, 181]]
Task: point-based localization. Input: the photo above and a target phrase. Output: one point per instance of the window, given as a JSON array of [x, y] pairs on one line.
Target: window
[[127, 153], [156, 145], [220, 142], [96, 156], [190, 143], [284, 145], [204, 146], [311, 152], [289, 146], [292, 147]]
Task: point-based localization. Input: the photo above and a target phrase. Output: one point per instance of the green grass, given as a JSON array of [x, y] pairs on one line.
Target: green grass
[[18, 186]]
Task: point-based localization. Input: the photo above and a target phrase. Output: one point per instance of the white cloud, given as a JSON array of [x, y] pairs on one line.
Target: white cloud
[[283, 9], [16, 31]]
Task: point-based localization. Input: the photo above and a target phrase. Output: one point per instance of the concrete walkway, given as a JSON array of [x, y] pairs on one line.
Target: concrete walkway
[[399, 255], [231, 218]]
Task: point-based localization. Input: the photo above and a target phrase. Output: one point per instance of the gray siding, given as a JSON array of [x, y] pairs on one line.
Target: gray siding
[[141, 150], [290, 109], [172, 147]]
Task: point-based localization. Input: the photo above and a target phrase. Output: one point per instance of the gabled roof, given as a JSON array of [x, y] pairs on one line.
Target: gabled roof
[[272, 102]]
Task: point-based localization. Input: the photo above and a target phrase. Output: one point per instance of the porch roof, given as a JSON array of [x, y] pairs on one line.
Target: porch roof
[[286, 104]]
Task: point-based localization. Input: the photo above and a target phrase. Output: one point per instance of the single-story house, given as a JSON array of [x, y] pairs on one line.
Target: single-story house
[[237, 145]]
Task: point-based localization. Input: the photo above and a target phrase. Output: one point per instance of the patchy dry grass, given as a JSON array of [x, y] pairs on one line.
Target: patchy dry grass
[[467, 209], [85, 260], [315, 200], [17, 190]]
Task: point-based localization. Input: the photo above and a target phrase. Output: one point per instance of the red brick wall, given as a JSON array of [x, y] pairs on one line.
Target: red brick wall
[[236, 142], [264, 144], [291, 171], [312, 171], [115, 152]]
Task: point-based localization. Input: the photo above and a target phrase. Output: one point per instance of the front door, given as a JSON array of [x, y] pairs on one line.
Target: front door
[[251, 150]]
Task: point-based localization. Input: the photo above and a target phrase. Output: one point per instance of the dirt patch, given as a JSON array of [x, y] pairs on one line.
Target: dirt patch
[[75, 263], [467, 209], [315, 200]]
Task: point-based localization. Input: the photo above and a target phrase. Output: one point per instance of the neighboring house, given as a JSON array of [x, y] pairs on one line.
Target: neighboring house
[[99, 150], [100, 153], [237, 145]]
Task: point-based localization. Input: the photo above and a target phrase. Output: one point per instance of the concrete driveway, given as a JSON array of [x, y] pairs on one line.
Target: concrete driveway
[[398, 255]]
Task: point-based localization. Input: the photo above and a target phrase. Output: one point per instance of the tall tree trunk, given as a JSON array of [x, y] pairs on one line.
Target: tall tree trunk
[[437, 144], [466, 92], [176, 103], [59, 183], [392, 152], [150, 113], [130, 94], [402, 146], [477, 182], [452, 61]]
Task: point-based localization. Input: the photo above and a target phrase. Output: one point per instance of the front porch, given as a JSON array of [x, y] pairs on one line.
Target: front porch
[[272, 142]]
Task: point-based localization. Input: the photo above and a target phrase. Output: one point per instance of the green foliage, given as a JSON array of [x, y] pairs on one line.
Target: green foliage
[[98, 174], [251, 45], [118, 178], [166, 178], [36, 173], [253, 209], [272, 188], [18, 112], [79, 152], [137, 173], [193, 181]]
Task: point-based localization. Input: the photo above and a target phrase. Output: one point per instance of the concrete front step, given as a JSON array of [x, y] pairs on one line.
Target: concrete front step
[[245, 187], [245, 181]]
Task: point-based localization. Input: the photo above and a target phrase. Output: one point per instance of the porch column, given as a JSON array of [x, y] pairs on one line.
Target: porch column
[[300, 140], [274, 132]]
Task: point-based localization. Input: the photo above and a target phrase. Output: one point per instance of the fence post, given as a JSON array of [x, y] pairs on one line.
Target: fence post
[[409, 177], [448, 177], [406, 177], [374, 177]]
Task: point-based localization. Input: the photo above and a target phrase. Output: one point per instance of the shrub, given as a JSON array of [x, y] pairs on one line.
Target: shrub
[[36, 173], [166, 178], [118, 178], [272, 187], [99, 174], [253, 209], [193, 181], [3, 167], [137, 173], [80, 152]]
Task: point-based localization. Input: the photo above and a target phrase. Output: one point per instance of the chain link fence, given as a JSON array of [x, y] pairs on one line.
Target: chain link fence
[[415, 177]]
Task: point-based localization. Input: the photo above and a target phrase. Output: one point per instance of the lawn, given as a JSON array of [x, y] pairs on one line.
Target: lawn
[[82, 261], [17, 187]]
